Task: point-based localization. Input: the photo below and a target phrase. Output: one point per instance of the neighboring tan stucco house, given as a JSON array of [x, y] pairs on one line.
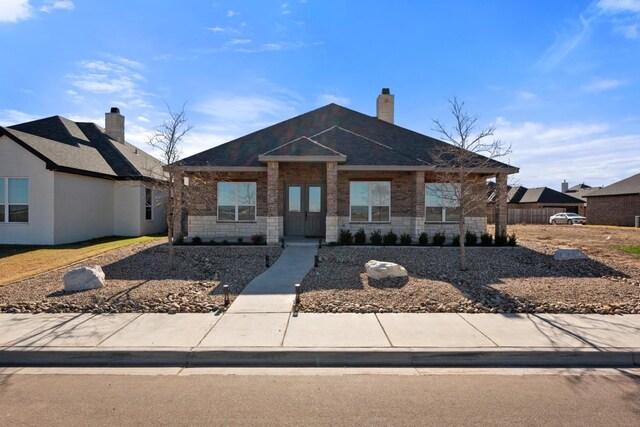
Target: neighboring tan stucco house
[[326, 170], [63, 181], [616, 204]]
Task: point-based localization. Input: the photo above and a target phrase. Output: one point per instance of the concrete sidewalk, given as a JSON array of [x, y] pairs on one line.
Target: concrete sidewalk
[[273, 290], [307, 339]]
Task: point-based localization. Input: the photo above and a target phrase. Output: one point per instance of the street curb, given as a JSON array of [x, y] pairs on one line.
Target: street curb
[[322, 357]]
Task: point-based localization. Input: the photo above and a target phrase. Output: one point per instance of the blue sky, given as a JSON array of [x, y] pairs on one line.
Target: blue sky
[[558, 78]]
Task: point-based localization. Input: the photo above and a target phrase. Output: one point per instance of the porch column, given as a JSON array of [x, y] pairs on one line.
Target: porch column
[[419, 218], [273, 220], [332, 202], [501, 204]]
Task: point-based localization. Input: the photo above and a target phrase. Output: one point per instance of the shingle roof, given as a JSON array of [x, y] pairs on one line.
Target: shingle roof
[[629, 185], [581, 191], [83, 148], [365, 140], [544, 195], [303, 146]]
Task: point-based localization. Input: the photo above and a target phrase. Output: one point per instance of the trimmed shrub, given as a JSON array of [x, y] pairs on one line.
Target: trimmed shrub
[[196, 240], [258, 239], [439, 239], [511, 239], [470, 238], [423, 239], [456, 240], [240, 240], [486, 239], [225, 242], [376, 238], [179, 240], [360, 238], [390, 238], [501, 239], [345, 238], [405, 239]]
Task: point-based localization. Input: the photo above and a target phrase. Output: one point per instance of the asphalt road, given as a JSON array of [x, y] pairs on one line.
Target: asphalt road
[[319, 400]]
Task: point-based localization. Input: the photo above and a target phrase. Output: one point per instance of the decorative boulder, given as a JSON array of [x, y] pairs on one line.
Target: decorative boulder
[[381, 270], [566, 254], [84, 278]]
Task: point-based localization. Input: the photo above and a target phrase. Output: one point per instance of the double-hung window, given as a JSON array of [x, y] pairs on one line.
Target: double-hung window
[[148, 204], [370, 201], [236, 201], [441, 202], [14, 200]]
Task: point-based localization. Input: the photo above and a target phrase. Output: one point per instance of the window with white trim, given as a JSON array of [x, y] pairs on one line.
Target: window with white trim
[[236, 201], [441, 202], [148, 204], [370, 201], [14, 200]]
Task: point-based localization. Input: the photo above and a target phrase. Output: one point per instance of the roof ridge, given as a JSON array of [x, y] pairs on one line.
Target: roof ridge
[[284, 145], [381, 144], [324, 146]]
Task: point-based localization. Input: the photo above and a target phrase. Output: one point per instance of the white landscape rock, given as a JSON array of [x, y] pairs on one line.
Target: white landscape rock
[[382, 269], [84, 278], [566, 254]]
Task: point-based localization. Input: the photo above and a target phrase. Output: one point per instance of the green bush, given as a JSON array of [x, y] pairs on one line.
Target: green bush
[[179, 240], [470, 238], [456, 240], [511, 239], [258, 239], [376, 237], [439, 239], [501, 239], [486, 239], [405, 239], [240, 240], [196, 240], [360, 238], [225, 242], [345, 238], [390, 238], [423, 239]]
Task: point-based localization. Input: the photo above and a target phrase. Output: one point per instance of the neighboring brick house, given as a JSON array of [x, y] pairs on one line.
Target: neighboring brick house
[[326, 170], [539, 203], [616, 204], [62, 181]]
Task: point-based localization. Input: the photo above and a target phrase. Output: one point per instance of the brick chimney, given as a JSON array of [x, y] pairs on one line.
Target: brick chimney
[[384, 106], [114, 124], [565, 186]]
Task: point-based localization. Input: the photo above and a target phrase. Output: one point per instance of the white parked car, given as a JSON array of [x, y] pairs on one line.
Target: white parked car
[[567, 218]]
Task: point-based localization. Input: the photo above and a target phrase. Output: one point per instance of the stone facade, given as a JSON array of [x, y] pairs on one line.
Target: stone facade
[[613, 210], [208, 228]]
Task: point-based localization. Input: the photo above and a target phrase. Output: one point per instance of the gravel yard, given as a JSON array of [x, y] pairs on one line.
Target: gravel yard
[[524, 279], [138, 280]]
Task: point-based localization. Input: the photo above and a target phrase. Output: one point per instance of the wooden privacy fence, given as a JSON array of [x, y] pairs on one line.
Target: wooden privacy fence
[[525, 216]]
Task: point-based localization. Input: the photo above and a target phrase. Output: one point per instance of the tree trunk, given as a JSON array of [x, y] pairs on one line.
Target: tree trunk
[[463, 260]]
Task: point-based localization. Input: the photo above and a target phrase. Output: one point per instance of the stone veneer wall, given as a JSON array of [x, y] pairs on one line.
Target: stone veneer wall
[[207, 227]]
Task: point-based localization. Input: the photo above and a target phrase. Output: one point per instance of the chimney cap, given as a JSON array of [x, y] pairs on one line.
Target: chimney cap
[[386, 91], [115, 110]]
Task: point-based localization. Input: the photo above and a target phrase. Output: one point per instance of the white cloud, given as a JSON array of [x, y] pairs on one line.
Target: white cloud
[[566, 43], [579, 152], [231, 13], [216, 29], [236, 42], [616, 6], [629, 31], [15, 10], [250, 108], [328, 98], [50, 6], [284, 9], [102, 77], [524, 95], [600, 85], [12, 117]]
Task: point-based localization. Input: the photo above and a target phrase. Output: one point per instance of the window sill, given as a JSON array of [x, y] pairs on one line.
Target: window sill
[[237, 222], [369, 222], [441, 222], [13, 223]]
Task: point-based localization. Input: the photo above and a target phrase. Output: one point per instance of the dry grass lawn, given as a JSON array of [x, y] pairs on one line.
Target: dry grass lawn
[[19, 262]]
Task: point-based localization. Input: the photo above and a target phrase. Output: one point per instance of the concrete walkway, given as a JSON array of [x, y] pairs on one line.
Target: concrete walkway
[[273, 290], [307, 339]]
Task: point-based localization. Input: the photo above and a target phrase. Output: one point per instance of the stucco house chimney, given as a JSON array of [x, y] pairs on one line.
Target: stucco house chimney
[[384, 106], [565, 186], [114, 124]]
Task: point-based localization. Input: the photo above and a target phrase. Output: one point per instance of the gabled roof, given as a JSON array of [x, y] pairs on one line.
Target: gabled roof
[[303, 148], [581, 191], [629, 185], [515, 194], [540, 195], [82, 148], [363, 139]]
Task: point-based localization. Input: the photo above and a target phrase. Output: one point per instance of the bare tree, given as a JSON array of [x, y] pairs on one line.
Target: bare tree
[[463, 166], [167, 140]]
